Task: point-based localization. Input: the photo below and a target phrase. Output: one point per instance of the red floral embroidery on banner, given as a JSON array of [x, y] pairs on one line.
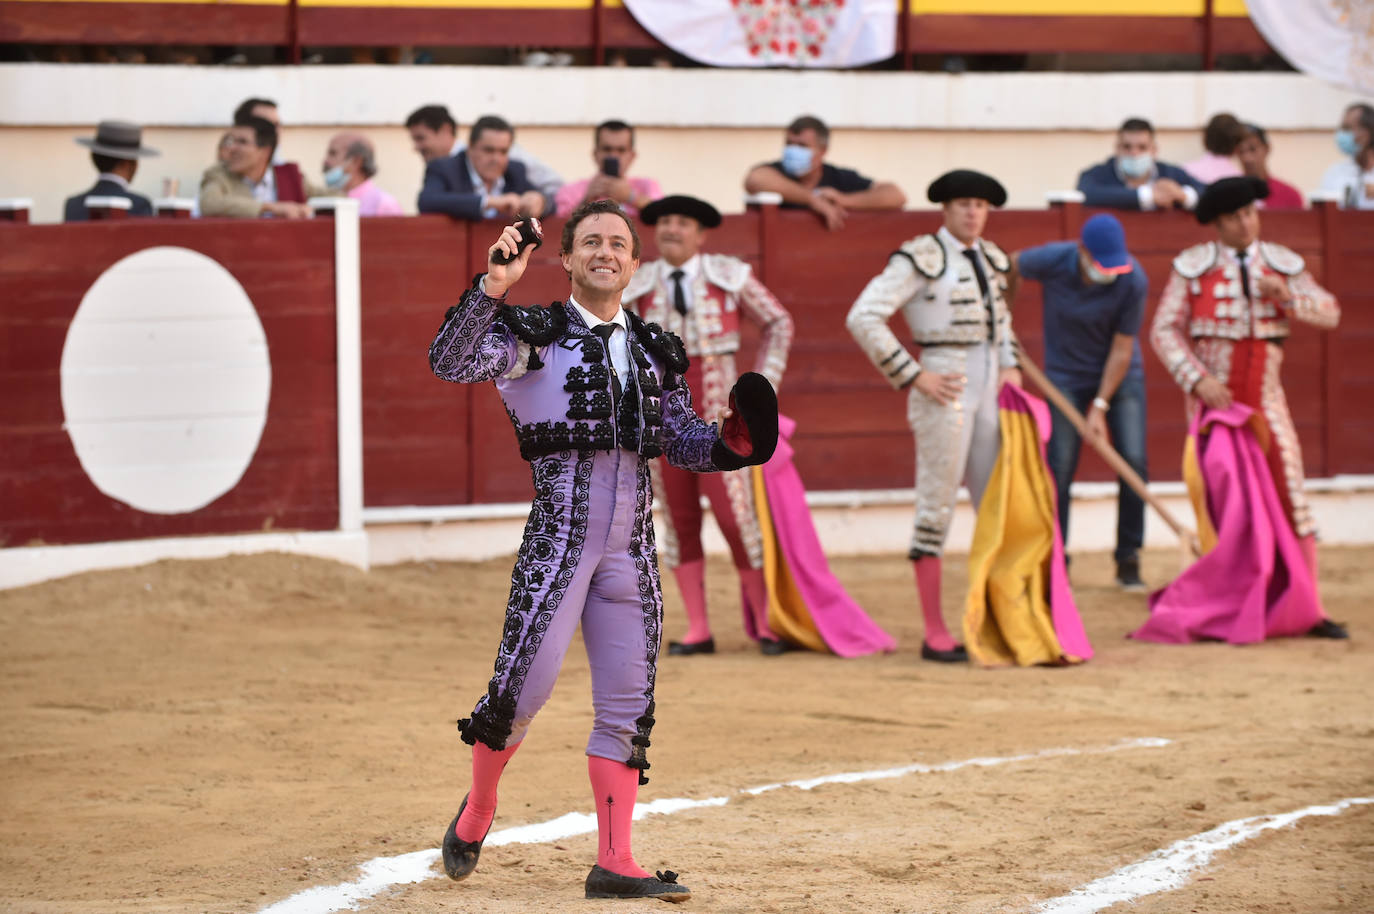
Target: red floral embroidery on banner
[[786, 31]]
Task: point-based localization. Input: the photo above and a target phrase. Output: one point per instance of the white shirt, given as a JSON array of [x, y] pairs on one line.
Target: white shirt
[[264, 191], [690, 268], [541, 176], [498, 187], [1351, 185], [620, 337], [113, 178]]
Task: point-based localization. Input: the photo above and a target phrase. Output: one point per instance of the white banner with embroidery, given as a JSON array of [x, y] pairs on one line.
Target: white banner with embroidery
[[1329, 39], [773, 33]]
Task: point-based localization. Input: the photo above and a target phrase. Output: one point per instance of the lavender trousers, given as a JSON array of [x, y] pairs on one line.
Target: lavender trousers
[[587, 558]]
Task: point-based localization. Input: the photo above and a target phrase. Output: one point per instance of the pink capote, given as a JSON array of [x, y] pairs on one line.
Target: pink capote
[[843, 625], [1255, 583]]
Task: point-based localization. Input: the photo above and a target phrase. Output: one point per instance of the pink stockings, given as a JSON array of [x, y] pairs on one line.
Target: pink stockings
[[487, 765], [928, 588], [615, 786]]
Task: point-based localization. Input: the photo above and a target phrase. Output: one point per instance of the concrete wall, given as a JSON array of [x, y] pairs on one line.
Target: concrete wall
[[699, 130]]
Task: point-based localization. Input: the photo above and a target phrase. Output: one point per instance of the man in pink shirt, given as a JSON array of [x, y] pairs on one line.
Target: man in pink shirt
[[349, 166], [613, 152]]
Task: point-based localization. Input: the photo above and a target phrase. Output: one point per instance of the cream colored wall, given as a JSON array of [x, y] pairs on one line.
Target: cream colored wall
[[699, 129], [45, 163]]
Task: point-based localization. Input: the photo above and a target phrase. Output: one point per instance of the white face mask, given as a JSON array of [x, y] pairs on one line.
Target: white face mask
[[1096, 276], [1136, 166]]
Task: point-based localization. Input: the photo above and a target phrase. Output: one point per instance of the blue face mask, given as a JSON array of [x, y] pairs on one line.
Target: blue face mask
[[1136, 166], [1345, 142], [796, 160], [335, 177]]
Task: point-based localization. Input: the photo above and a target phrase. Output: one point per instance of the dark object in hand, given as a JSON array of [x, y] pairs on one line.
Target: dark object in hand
[[610, 166], [531, 233], [750, 435]]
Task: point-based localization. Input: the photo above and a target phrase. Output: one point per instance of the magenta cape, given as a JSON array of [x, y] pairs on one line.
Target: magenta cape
[[806, 604], [1254, 584]]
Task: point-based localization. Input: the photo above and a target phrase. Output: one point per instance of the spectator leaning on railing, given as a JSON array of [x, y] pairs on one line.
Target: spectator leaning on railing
[[249, 185], [613, 151], [115, 151], [349, 166], [1352, 180], [806, 181], [1134, 178], [481, 182]]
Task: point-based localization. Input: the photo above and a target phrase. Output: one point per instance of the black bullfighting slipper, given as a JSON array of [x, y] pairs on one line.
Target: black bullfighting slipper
[[956, 654], [460, 857], [688, 648], [750, 435], [772, 647], [1328, 629], [602, 883]]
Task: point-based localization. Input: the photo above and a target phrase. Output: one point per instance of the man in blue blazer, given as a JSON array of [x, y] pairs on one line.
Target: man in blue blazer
[[481, 182], [1135, 179], [115, 152]]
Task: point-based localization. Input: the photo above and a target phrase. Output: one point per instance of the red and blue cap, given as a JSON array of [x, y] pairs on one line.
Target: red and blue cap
[[1105, 241]]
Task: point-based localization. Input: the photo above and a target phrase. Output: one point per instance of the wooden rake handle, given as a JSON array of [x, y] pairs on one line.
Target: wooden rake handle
[[1109, 454]]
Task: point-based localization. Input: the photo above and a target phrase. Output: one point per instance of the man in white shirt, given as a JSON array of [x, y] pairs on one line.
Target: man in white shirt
[[1352, 181]]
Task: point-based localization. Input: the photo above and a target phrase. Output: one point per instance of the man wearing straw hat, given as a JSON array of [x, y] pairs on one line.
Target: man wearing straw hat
[[115, 151]]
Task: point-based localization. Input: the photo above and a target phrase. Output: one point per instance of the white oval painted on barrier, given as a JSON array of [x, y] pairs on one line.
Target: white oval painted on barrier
[[165, 381]]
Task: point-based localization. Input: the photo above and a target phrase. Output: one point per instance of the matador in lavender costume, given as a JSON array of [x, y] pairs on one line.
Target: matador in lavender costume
[[1221, 324], [594, 393], [705, 299], [951, 288]]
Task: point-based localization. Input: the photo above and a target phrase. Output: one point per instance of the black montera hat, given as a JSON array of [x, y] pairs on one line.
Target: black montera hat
[[682, 205], [963, 182], [1228, 195]]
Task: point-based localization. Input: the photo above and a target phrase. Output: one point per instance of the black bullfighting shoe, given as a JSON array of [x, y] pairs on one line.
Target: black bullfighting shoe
[[1328, 629], [460, 857], [956, 654], [688, 648], [602, 883], [772, 647]]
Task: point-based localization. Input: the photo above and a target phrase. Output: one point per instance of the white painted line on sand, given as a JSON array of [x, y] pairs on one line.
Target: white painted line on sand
[[1171, 867], [381, 873]]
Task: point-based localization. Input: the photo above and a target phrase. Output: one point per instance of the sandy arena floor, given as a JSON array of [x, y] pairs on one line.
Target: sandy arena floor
[[218, 736]]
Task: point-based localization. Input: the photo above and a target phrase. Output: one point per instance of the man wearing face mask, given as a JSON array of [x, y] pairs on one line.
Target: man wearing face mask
[[1134, 178], [806, 181], [1094, 303], [1220, 329], [349, 166], [951, 288], [1352, 180]]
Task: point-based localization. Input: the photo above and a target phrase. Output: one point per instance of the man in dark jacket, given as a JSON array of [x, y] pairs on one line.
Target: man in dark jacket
[[115, 152], [1134, 178], [481, 181]]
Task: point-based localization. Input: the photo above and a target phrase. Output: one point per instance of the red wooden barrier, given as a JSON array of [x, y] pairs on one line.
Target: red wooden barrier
[[430, 443], [287, 271], [852, 429]]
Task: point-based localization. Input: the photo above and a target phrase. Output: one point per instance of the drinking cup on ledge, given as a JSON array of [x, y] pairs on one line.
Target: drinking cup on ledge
[[15, 209], [108, 207], [174, 207]]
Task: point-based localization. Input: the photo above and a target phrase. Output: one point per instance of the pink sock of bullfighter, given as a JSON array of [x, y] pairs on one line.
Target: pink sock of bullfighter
[[691, 583], [928, 587], [615, 786], [487, 765]]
